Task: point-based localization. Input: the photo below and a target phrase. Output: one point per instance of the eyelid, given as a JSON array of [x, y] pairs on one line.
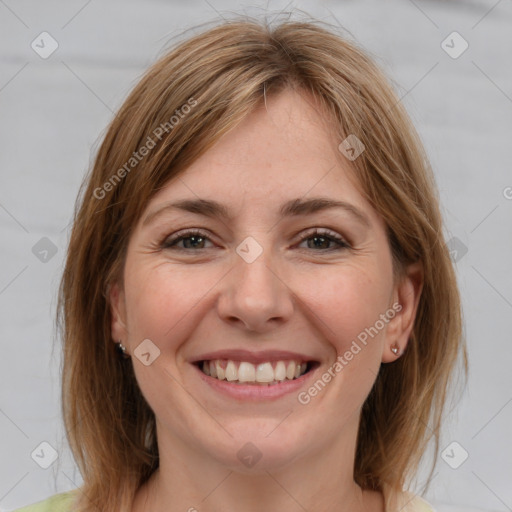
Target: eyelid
[[183, 233], [328, 233], [341, 242]]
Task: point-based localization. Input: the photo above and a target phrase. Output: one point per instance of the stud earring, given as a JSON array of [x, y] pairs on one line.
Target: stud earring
[[122, 350], [395, 349]]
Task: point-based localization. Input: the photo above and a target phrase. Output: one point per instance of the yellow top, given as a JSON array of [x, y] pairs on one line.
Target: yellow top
[[404, 502], [57, 503]]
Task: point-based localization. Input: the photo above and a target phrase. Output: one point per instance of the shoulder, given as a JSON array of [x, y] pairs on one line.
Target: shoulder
[[418, 504], [405, 501], [57, 503], [413, 503]]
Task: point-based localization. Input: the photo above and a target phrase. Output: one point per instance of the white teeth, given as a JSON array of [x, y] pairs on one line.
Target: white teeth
[[290, 370], [280, 371], [221, 374], [246, 372], [231, 373], [264, 373]]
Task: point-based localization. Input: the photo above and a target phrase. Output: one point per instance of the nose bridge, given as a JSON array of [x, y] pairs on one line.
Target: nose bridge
[[256, 276], [255, 292]]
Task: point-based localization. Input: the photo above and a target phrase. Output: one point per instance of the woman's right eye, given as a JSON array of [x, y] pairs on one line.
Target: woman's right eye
[[191, 238]]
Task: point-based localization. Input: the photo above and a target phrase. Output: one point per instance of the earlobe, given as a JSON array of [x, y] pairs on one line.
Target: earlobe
[[117, 313], [407, 294]]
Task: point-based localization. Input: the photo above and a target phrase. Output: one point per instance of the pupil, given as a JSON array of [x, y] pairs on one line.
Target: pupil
[[189, 238], [316, 238]]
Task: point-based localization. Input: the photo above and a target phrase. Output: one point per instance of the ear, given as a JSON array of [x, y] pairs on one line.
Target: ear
[[406, 297], [119, 331]]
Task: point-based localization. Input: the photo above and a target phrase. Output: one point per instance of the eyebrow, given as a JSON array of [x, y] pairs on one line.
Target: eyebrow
[[294, 207]]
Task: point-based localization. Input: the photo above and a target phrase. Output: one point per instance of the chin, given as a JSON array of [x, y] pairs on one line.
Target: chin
[[254, 450]]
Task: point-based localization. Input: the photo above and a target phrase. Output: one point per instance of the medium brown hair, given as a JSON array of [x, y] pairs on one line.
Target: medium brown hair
[[226, 70]]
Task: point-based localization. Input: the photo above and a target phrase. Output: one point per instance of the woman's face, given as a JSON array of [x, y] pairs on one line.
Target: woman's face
[[259, 288]]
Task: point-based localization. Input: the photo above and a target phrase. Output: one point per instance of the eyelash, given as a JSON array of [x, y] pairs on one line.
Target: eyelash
[[324, 233]]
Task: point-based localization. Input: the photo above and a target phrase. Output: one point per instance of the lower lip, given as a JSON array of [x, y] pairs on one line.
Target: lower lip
[[255, 391]]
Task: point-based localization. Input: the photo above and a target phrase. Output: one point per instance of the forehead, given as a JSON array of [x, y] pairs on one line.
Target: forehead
[[286, 133], [282, 150]]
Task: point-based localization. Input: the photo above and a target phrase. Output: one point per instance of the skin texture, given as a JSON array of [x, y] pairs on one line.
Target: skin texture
[[297, 296]]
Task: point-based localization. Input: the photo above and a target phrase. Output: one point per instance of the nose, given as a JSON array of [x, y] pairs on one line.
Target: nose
[[254, 295]]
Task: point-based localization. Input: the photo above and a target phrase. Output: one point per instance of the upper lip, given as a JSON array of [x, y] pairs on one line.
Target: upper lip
[[252, 357]]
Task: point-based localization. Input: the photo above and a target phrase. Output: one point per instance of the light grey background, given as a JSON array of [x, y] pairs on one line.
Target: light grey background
[[54, 111]]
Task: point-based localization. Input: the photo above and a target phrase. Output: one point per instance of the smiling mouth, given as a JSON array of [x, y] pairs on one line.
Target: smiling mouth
[[268, 373]]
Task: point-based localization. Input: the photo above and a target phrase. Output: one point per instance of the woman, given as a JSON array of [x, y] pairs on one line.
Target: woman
[[258, 308]]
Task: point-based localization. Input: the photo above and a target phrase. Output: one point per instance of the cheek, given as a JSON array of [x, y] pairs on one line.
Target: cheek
[[347, 302], [346, 308], [160, 300], [161, 306]]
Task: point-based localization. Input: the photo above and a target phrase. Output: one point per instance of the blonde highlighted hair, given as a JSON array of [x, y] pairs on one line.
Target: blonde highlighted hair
[[226, 70]]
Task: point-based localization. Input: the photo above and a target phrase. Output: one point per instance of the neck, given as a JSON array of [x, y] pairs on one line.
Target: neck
[[233, 491], [321, 480]]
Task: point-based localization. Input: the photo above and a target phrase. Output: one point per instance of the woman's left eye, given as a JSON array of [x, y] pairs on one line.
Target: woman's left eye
[[195, 239]]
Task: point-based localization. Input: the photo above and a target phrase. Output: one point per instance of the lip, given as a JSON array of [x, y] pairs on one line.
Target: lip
[[255, 392], [253, 357]]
